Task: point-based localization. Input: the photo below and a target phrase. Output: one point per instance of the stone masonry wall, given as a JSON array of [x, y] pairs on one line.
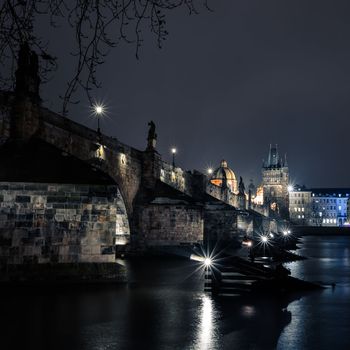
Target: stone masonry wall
[[46, 223], [171, 224], [220, 222]]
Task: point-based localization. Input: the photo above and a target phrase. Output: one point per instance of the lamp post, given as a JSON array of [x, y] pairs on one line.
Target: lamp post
[[264, 241], [99, 110], [173, 151]]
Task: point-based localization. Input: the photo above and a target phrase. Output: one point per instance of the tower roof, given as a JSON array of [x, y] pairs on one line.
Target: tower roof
[[273, 157], [274, 160]]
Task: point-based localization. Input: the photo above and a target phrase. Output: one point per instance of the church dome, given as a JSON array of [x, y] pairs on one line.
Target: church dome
[[224, 176]]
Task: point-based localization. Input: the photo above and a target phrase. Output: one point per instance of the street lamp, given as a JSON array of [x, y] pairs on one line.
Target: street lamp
[[99, 111], [209, 171], [173, 151]]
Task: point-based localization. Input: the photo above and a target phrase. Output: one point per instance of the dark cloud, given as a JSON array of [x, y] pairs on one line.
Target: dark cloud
[[229, 83]]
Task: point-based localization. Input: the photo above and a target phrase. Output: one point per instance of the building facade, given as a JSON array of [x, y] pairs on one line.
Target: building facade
[[319, 206], [300, 208]]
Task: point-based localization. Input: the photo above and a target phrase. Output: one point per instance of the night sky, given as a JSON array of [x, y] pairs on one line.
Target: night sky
[[229, 83]]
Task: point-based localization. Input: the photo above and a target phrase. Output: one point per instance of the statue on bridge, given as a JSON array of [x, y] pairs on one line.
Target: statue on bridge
[[152, 136], [241, 187]]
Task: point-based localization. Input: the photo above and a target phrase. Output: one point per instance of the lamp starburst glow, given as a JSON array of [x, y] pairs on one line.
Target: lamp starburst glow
[[207, 262], [210, 171], [98, 110], [173, 152], [264, 239], [290, 188]]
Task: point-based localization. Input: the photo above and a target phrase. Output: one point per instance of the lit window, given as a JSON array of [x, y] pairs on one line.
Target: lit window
[[295, 209], [302, 209], [339, 207]]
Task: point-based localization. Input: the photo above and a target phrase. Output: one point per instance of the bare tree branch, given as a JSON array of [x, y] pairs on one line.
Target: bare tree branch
[[99, 25]]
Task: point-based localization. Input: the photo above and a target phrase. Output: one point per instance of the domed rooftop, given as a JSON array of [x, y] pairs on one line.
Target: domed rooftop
[[224, 176]]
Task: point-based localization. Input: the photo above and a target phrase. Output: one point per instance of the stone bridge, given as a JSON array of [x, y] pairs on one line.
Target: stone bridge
[[70, 194]]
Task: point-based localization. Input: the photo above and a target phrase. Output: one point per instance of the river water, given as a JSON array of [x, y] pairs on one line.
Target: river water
[[163, 307]]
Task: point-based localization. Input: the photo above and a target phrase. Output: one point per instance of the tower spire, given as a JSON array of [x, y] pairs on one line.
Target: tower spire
[[273, 158]]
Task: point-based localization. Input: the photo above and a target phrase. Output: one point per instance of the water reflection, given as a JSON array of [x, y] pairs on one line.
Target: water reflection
[[206, 332]]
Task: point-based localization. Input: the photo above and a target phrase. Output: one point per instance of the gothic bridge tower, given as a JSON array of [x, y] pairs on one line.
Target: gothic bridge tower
[[275, 174]]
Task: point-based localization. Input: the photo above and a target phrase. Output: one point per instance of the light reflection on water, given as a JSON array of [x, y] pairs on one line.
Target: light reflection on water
[[206, 338]]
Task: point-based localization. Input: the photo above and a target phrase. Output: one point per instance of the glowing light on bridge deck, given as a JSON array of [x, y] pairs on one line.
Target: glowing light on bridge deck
[[286, 232], [173, 150]]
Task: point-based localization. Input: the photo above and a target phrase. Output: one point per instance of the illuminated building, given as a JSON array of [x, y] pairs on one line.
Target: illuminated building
[[319, 206]]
